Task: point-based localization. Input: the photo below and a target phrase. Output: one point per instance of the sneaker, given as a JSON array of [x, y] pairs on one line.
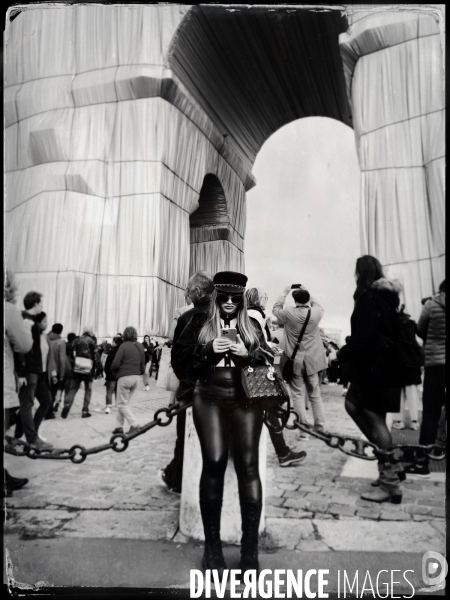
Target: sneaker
[[291, 458], [414, 425], [133, 429], [41, 445], [303, 437], [56, 407], [422, 471], [398, 425], [118, 430], [107, 410], [64, 412], [85, 414], [147, 388]]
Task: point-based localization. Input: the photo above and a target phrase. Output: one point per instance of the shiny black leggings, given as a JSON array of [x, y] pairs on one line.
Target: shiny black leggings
[[221, 429]]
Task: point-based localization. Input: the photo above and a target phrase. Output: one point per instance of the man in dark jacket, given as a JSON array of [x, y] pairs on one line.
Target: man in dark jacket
[[431, 328], [84, 347], [30, 368], [200, 287], [59, 352]]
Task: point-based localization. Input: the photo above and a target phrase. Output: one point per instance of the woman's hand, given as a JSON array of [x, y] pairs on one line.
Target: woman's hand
[[238, 348], [286, 290], [221, 345]]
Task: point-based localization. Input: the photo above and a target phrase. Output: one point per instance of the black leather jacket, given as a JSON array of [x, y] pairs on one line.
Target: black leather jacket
[[192, 361]]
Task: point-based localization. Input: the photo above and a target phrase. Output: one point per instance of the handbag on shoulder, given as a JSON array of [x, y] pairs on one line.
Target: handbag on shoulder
[[286, 363]]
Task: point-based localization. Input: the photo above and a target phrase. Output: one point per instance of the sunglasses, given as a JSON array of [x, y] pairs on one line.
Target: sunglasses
[[234, 299]]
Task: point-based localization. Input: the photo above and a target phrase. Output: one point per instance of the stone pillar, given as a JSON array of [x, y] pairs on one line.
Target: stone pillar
[[190, 518]]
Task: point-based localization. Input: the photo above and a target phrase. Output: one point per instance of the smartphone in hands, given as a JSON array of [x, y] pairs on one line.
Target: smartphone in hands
[[229, 334], [296, 286]]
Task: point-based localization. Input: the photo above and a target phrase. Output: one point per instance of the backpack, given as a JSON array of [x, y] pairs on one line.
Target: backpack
[[408, 350]]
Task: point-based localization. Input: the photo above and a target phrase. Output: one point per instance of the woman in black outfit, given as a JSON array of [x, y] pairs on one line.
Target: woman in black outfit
[[373, 371], [222, 415]]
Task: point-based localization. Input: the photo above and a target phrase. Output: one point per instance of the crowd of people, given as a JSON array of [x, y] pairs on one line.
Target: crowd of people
[[221, 331]]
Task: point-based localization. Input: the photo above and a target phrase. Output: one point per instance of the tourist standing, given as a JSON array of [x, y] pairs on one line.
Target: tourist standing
[[128, 365], [374, 371], [311, 358], [111, 383], [431, 328], [59, 353]]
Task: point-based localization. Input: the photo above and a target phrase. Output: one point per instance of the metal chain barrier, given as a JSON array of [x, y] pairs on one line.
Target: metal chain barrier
[[77, 454], [119, 442], [357, 447]]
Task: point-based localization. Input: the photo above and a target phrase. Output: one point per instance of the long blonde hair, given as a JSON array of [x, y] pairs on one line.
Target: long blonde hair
[[212, 328]]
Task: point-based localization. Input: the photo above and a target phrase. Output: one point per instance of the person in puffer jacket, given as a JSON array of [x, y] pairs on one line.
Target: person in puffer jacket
[[431, 328]]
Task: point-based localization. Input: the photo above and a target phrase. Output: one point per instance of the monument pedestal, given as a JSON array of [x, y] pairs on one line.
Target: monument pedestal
[[190, 517]]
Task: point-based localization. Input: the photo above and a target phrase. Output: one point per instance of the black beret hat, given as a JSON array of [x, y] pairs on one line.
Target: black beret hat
[[230, 281]]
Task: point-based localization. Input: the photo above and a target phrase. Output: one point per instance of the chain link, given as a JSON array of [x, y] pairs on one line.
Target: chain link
[[119, 442], [77, 454], [359, 446]]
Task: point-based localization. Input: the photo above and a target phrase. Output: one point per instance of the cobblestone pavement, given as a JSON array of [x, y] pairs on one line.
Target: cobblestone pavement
[[313, 506]]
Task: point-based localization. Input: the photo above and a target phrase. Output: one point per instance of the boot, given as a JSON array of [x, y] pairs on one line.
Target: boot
[[213, 556], [14, 483], [398, 467], [251, 515], [389, 489]]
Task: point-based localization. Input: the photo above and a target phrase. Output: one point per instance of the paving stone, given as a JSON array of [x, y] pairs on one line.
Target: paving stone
[[288, 486], [420, 518], [312, 546], [341, 509], [295, 494], [429, 502], [274, 501], [42, 523], [275, 511], [275, 491], [294, 513], [414, 509], [438, 512], [310, 488], [320, 507], [317, 497], [340, 498], [296, 503], [148, 525], [388, 515], [378, 536], [286, 535], [367, 513]]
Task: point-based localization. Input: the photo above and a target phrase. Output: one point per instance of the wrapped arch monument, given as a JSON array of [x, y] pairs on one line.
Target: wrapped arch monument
[[131, 131]]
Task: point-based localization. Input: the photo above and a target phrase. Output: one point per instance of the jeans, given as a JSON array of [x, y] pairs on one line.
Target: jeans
[[71, 392], [312, 385], [126, 386], [110, 390], [36, 386]]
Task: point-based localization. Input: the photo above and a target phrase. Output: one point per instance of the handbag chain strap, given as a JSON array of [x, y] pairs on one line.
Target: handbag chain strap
[[301, 334]]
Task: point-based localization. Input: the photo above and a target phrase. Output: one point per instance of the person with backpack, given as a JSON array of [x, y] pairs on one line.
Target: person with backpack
[[431, 328], [110, 378], [86, 364], [374, 369]]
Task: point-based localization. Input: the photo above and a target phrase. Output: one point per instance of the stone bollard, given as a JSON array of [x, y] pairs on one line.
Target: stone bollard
[[190, 517]]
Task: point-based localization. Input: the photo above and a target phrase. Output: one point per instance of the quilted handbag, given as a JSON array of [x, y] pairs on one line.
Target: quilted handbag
[[264, 386]]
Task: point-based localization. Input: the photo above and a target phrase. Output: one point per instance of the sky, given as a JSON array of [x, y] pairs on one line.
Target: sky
[[303, 216]]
